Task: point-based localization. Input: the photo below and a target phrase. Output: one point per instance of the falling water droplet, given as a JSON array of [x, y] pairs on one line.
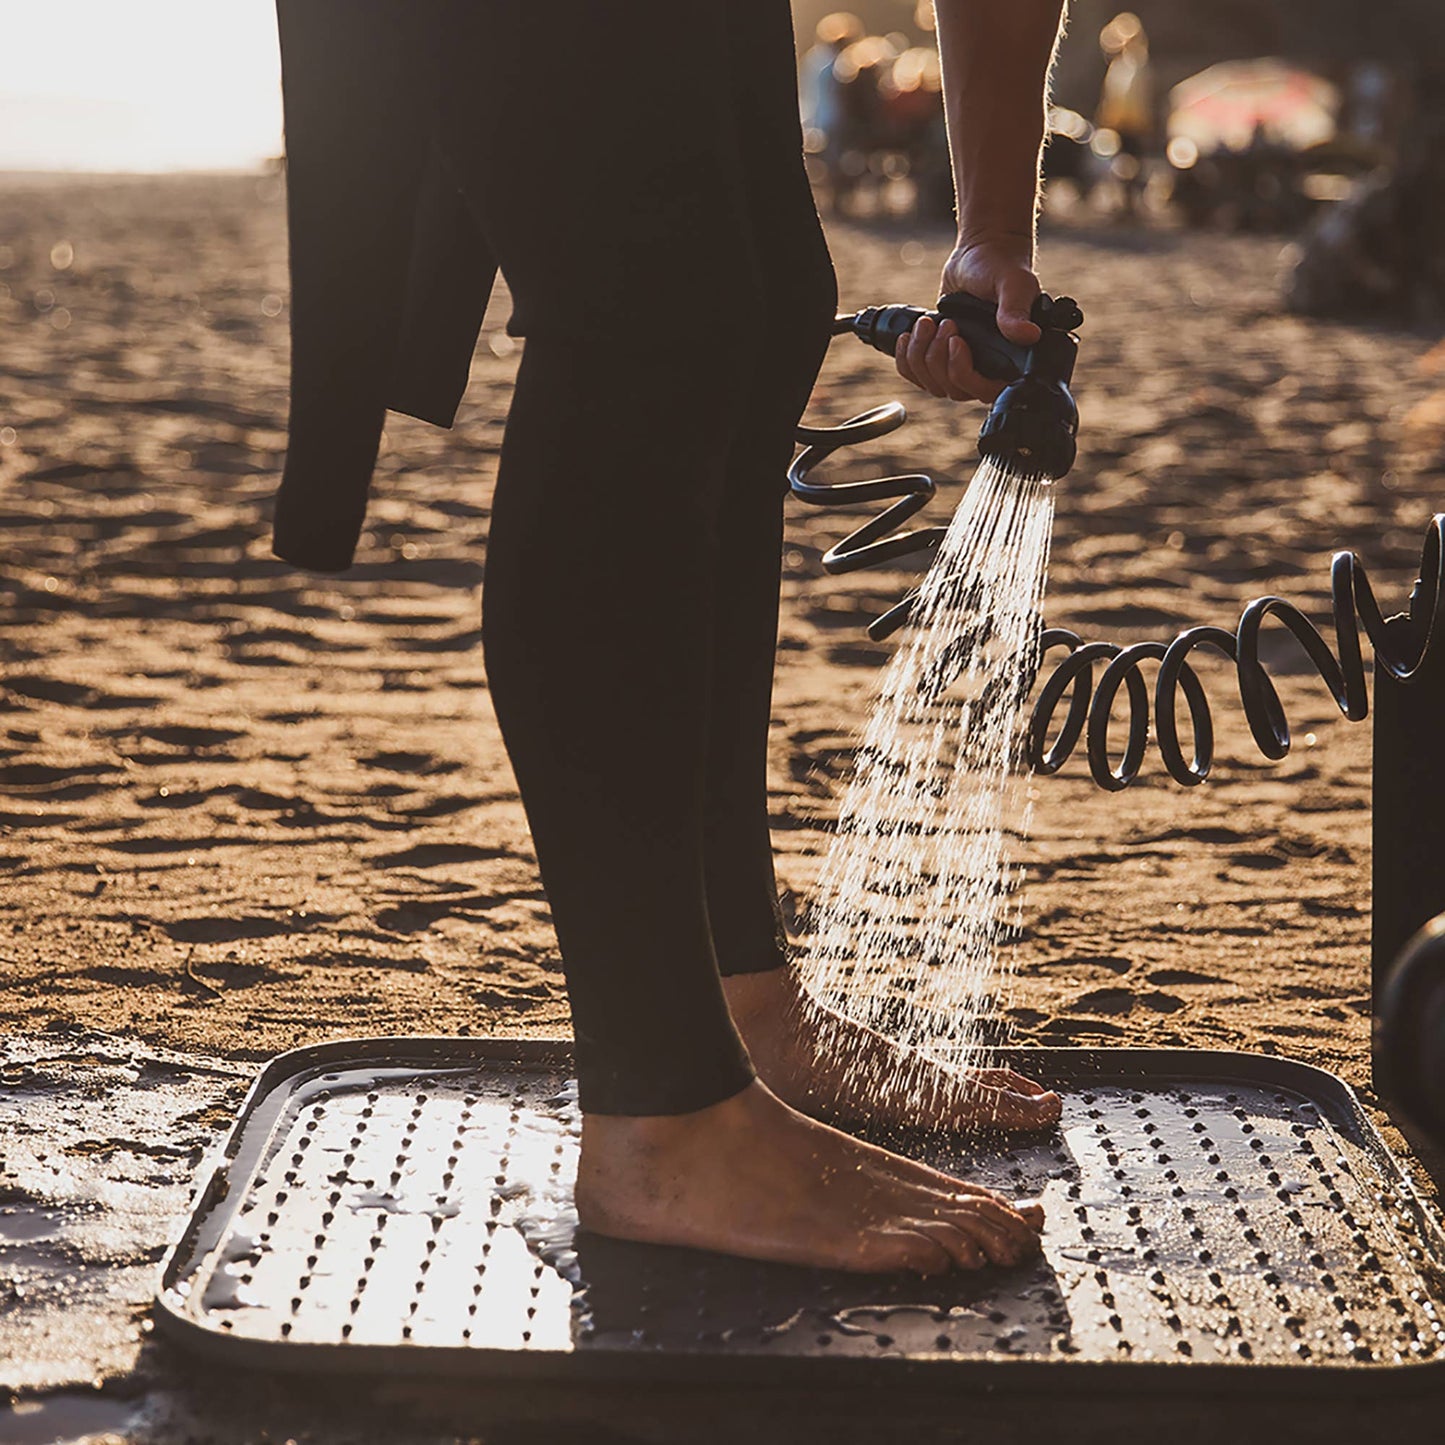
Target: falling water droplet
[[911, 907]]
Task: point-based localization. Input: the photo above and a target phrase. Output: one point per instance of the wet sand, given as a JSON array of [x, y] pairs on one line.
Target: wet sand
[[245, 809]]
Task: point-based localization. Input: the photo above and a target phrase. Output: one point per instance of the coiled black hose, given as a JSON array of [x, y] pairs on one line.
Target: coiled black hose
[[1403, 651], [878, 540]]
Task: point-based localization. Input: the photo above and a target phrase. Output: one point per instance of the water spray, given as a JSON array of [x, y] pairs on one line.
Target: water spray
[[1031, 429], [916, 871]]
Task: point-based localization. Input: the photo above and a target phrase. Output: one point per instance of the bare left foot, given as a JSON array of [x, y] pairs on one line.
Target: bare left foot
[[827, 1065], [752, 1177]]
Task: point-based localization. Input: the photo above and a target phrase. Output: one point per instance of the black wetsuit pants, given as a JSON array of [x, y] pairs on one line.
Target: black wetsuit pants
[[638, 171]]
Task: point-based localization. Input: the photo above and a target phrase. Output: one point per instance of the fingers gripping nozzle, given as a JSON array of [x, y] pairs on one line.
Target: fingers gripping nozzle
[[1034, 422]]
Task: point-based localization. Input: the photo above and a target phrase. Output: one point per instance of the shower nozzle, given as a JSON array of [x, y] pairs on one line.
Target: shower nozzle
[[1033, 424]]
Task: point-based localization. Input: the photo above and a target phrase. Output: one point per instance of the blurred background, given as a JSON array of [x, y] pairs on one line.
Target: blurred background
[[1321, 118]]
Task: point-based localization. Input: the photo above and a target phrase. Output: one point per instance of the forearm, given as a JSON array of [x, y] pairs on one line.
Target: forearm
[[996, 57]]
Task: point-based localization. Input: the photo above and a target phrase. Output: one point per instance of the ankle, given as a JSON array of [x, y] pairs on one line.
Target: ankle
[[760, 998], [612, 1136]]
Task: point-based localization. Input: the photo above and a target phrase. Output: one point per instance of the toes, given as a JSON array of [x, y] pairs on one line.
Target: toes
[[1006, 1099], [963, 1251], [1010, 1079], [1036, 1111], [911, 1249], [1004, 1108], [995, 1211], [1032, 1211], [1004, 1244], [1004, 1235], [1050, 1107], [1007, 1220], [895, 1169]]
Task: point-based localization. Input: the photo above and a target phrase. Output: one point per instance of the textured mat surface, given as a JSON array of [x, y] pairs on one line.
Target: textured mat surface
[[406, 1205]]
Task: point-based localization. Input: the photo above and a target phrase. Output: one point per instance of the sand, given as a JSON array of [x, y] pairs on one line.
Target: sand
[[245, 809]]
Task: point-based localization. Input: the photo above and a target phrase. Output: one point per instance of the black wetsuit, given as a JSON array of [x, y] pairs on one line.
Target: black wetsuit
[[637, 172]]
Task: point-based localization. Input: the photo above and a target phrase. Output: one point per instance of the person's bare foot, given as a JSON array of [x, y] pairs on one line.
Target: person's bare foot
[[753, 1177], [828, 1065]]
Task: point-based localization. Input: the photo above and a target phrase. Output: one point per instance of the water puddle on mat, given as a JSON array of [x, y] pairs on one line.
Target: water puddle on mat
[[914, 889]]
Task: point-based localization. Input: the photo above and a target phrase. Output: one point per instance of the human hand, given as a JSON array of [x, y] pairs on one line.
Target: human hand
[[934, 357]]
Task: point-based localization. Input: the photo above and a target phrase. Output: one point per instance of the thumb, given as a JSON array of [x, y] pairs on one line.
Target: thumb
[[1016, 293]]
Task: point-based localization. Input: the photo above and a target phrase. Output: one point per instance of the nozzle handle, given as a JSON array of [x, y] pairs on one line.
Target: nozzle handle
[[994, 355]]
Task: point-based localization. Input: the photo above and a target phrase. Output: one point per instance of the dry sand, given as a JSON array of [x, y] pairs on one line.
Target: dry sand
[[246, 809]]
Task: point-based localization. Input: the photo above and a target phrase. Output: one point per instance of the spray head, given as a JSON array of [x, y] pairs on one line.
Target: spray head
[[1033, 424]]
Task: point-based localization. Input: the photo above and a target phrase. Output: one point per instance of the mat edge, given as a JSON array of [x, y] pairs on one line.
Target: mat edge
[[1004, 1375]]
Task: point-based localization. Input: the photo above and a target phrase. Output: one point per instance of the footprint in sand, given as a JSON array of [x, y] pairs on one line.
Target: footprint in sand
[[444, 806], [437, 855], [56, 783], [416, 915], [388, 962], [244, 636], [1123, 1001], [403, 621], [1104, 1001], [857, 654], [409, 763], [465, 641], [508, 998], [1258, 862], [37, 818], [1325, 908], [1194, 835], [260, 801], [214, 929], [191, 738], [1110, 962], [1081, 1028], [158, 846], [229, 974], [175, 800], [75, 694], [1130, 618], [1181, 977]]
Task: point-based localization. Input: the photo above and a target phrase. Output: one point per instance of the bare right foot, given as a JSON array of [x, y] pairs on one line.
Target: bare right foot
[[753, 1177], [824, 1063]]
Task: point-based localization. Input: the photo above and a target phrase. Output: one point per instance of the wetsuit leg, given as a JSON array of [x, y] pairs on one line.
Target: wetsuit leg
[[605, 164], [800, 299]]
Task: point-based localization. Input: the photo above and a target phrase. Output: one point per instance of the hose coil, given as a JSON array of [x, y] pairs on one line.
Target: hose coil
[[878, 541], [1401, 645]]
